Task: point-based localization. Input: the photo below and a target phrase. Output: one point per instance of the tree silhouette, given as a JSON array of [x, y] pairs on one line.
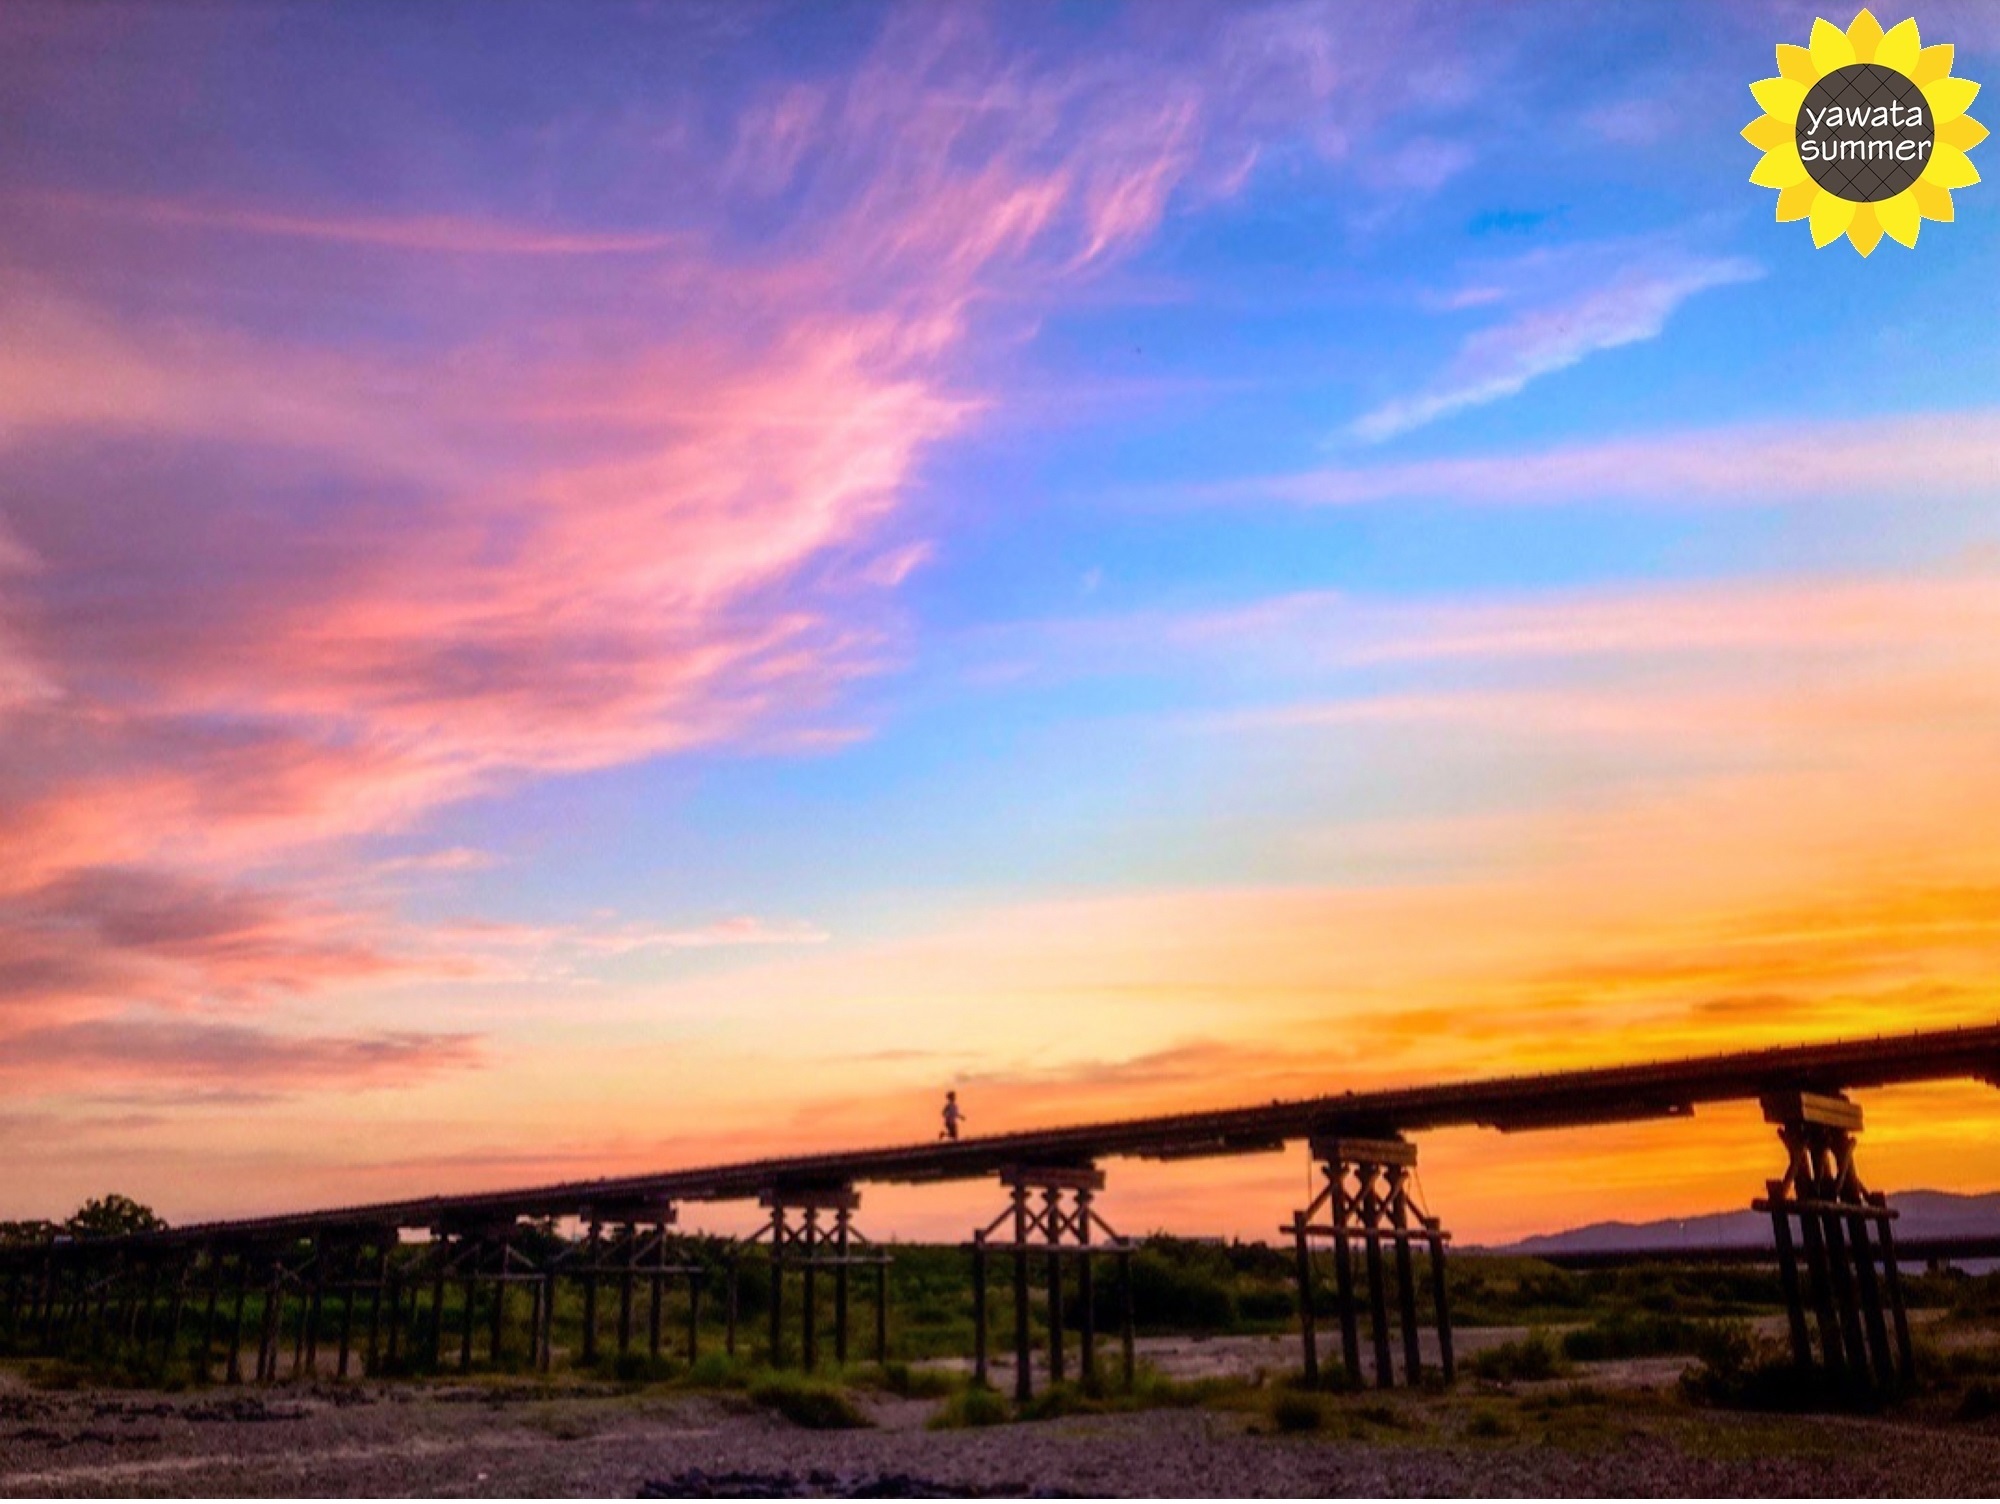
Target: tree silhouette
[[113, 1216]]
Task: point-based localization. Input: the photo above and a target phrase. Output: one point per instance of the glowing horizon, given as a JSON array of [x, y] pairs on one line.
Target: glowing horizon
[[668, 587]]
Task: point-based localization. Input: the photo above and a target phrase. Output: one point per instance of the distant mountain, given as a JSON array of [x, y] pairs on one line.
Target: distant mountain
[[1925, 1214]]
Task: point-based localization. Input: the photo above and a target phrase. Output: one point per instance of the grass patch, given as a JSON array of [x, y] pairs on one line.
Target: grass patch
[[1528, 1359], [913, 1383], [974, 1405], [812, 1404], [1296, 1410], [1740, 1371], [1642, 1334]]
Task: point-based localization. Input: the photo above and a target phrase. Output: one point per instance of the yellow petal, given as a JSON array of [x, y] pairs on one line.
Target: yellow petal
[[1948, 168], [1864, 229], [1863, 33], [1935, 202], [1899, 47], [1900, 217], [1830, 47], [1964, 133], [1796, 64], [1795, 201], [1831, 216], [1932, 63], [1950, 97], [1780, 97], [1779, 168], [1767, 132]]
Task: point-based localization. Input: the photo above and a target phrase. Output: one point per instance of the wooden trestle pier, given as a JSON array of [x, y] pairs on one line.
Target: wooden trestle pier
[[355, 1279]]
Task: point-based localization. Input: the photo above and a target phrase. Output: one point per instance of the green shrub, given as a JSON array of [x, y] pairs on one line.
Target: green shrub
[[915, 1383], [975, 1405], [1530, 1358], [643, 1368], [716, 1371], [1637, 1334], [811, 1403], [1297, 1410], [1739, 1371], [1981, 1401], [1269, 1304], [1172, 1289]]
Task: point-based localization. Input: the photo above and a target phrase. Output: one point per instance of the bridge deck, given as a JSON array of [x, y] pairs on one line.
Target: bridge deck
[[1509, 1103]]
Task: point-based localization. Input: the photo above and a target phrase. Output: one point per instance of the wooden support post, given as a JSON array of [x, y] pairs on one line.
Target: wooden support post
[[1441, 1300], [102, 1320], [1308, 1331], [1788, 1273], [1406, 1278], [1869, 1289], [470, 1315], [627, 1272], [396, 1315], [205, 1363], [979, 1315], [314, 1299], [1831, 1352], [809, 1294], [1126, 1333], [882, 1309], [777, 1312], [1023, 1354], [1052, 1206], [234, 1372], [1892, 1283], [274, 1312], [656, 1294], [149, 1300], [1086, 1294], [551, 1288], [372, 1361], [842, 1218], [1840, 1261], [1343, 1291], [694, 1316], [347, 1293], [496, 1334], [1378, 1313], [593, 1250], [438, 1250], [730, 1274], [176, 1305]]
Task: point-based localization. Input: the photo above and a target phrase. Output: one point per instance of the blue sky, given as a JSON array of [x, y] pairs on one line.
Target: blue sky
[[569, 570]]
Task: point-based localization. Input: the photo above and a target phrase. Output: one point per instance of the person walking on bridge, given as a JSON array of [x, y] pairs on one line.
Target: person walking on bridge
[[953, 1116]]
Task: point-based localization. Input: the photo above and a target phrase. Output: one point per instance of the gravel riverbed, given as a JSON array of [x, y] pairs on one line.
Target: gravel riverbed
[[499, 1440]]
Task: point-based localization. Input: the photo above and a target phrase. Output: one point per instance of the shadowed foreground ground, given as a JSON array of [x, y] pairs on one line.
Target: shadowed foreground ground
[[499, 1439]]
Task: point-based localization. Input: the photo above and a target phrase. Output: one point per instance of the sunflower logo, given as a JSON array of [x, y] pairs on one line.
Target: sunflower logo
[[1864, 132]]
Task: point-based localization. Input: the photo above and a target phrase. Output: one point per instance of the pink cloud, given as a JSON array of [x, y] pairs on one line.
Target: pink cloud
[[423, 233], [1633, 305], [320, 521], [142, 1049], [1750, 464]]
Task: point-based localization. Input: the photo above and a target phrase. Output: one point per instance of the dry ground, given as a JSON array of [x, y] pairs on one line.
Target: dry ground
[[1626, 1433]]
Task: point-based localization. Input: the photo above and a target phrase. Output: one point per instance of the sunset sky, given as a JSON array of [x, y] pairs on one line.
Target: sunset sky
[[593, 587]]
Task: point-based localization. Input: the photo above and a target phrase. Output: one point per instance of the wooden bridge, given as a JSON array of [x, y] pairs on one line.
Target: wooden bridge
[[1832, 1239]]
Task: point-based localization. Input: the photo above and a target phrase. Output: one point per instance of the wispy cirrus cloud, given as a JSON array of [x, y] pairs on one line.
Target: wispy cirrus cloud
[[474, 491], [144, 1048], [422, 233], [1629, 306], [1946, 454]]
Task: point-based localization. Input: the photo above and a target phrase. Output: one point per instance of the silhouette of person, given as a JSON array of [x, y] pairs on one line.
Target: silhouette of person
[[953, 1116]]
